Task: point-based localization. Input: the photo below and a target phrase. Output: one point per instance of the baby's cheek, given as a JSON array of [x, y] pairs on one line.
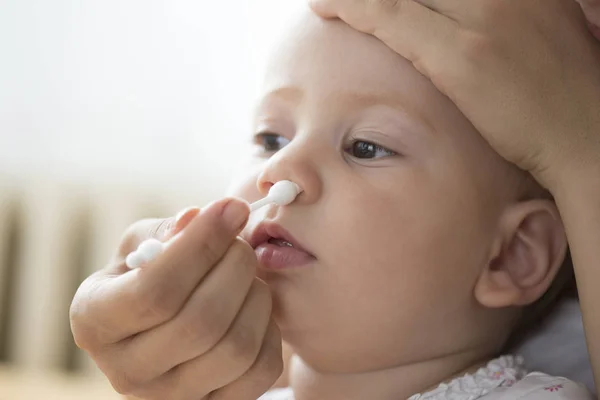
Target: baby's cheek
[[243, 184], [424, 249]]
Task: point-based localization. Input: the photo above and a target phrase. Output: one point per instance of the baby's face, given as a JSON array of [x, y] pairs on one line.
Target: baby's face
[[401, 199]]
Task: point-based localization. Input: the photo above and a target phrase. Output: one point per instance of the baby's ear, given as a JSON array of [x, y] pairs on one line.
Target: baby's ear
[[528, 252]]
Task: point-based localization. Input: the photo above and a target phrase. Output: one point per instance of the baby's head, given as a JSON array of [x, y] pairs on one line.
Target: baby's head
[[425, 242]]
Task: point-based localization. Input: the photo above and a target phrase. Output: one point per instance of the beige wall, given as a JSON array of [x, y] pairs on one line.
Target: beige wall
[[52, 235]]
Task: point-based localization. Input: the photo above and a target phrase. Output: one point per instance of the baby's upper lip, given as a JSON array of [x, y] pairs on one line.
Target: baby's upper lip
[[267, 230]]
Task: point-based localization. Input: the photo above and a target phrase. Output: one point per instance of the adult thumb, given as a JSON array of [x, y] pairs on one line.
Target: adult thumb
[[162, 229]]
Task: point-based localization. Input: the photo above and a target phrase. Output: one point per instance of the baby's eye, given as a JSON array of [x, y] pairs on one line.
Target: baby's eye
[[271, 142], [367, 150]]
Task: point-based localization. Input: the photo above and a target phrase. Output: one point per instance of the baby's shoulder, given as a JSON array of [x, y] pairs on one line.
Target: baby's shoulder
[[539, 386]]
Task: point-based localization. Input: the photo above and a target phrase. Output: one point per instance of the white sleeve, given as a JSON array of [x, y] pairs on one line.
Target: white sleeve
[[278, 394], [538, 386]]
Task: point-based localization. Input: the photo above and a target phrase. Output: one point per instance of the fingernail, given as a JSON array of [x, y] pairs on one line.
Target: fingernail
[[183, 218], [235, 214]]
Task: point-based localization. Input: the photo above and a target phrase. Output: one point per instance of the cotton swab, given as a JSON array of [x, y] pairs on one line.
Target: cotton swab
[[147, 251], [135, 259], [281, 193]]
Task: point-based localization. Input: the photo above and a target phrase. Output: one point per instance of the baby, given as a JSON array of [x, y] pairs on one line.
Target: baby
[[414, 252], [415, 247]]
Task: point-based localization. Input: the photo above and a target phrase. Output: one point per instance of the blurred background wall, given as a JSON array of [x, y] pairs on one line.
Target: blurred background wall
[[110, 111]]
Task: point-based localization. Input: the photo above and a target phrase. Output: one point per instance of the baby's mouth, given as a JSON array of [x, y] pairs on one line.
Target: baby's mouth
[[277, 249], [269, 232], [280, 242]]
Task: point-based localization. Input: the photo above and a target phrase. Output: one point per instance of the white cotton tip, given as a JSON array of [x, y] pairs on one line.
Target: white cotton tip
[[281, 193], [150, 249], [134, 260], [284, 192]]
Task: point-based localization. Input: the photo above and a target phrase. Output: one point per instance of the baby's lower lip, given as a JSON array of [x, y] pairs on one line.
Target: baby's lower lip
[[278, 257]]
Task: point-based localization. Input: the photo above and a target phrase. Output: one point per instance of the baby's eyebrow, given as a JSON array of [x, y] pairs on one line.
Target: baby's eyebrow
[[279, 95], [287, 93], [367, 99]]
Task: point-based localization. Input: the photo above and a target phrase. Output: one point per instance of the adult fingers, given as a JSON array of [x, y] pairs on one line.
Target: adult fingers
[[139, 231], [161, 229], [251, 342], [118, 306], [263, 373], [420, 34], [330, 9], [200, 325]]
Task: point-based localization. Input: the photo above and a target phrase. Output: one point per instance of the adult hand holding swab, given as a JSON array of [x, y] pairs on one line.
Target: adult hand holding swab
[[281, 193]]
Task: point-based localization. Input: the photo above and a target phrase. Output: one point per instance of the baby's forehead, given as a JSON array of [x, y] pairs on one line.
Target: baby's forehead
[[328, 60]]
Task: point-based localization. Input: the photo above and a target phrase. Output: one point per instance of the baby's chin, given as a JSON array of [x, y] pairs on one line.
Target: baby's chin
[[287, 300]]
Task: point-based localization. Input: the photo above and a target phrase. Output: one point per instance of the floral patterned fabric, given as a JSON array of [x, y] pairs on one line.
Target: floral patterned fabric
[[504, 378]]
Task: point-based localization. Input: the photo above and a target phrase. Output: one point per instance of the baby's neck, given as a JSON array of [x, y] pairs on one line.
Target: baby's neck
[[396, 383]]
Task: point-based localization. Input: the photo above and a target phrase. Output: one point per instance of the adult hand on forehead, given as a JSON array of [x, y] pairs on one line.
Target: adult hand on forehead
[[525, 72]]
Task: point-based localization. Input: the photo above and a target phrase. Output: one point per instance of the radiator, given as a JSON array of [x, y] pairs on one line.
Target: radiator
[[53, 235]]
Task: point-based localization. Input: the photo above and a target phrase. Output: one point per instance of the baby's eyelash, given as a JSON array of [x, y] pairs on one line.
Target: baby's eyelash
[[270, 142], [362, 149]]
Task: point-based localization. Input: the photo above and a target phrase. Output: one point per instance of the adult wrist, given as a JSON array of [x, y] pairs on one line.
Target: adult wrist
[[577, 191]]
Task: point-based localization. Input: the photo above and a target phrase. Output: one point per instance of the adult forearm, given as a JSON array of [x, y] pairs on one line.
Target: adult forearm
[[578, 199]]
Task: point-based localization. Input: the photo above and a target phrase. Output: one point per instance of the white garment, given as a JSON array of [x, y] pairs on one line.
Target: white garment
[[502, 379], [557, 346]]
